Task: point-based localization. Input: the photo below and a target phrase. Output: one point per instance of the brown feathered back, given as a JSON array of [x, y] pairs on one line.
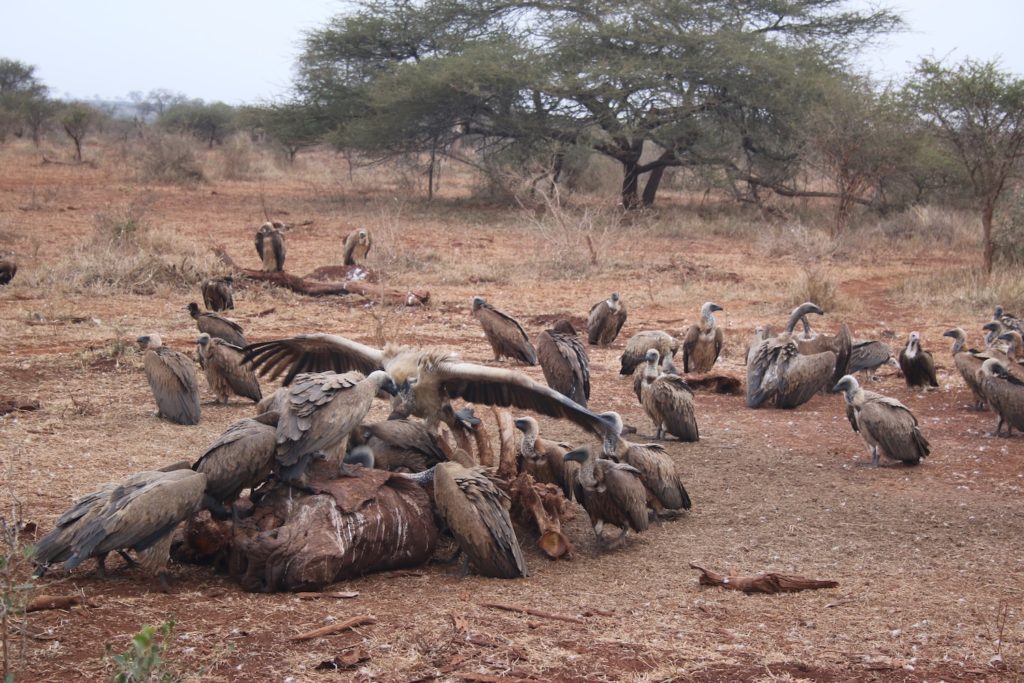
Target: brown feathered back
[[506, 336]]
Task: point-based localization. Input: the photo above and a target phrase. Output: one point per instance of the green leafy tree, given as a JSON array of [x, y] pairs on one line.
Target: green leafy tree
[[77, 120], [23, 100], [978, 111], [700, 82], [291, 125], [210, 122]]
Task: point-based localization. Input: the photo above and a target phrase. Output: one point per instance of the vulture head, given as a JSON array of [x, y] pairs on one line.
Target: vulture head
[[203, 340], [563, 326], [848, 385], [652, 357], [150, 341], [1013, 338], [384, 382], [193, 309], [998, 313], [956, 333], [993, 368], [527, 425], [799, 312], [913, 342], [478, 301], [579, 455], [708, 308], [360, 455], [613, 301], [992, 330]]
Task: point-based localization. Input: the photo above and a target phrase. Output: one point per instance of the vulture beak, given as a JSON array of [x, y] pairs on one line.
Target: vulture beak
[[949, 333], [716, 307], [520, 424], [578, 455], [389, 386], [144, 339]]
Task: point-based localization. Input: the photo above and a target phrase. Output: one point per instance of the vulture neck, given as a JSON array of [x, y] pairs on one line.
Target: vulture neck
[[425, 478], [958, 344], [651, 371], [912, 347], [709, 320], [529, 443]]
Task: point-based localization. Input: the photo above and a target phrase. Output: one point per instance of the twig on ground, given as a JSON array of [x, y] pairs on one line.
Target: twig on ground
[[532, 612], [763, 583], [334, 628]]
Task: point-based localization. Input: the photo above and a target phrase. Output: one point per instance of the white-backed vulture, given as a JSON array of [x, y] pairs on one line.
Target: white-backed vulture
[[322, 408], [241, 458], [1004, 393], [639, 344], [611, 493], [506, 336], [172, 377], [1008, 321], [357, 246], [270, 246], [1014, 344], [605, 320], [427, 380], [968, 363], [216, 325], [399, 444], [886, 425], [544, 460], [668, 401], [666, 492], [226, 372], [8, 269], [780, 373], [218, 294], [476, 512], [564, 361], [140, 516], [273, 403], [865, 354], [56, 546], [917, 365], [702, 343]]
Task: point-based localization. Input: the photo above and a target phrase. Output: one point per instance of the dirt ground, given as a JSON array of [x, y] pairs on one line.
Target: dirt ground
[[929, 560]]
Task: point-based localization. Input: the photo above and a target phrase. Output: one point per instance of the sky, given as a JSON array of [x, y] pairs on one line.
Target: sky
[[239, 51]]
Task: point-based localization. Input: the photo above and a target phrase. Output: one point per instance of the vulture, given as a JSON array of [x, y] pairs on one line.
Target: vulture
[[666, 494], [273, 403], [777, 370], [545, 460], [56, 546], [427, 379], [357, 246], [865, 354], [611, 493], [993, 330], [1008, 321], [216, 325], [241, 458], [917, 364], [506, 335], [225, 370], [1004, 393], [172, 377], [668, 401], [322, 408], [968, 363], [563, 358], [140, 515], [886, 425], [1014, 343], [702, 343], [638, 346], [270, 246], [476, 512], [8, 269], [761, 333], [218, 294], [399, 444], [605, 320]]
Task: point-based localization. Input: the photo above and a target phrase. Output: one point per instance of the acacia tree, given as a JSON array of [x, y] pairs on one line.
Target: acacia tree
[[23, 99], [978, 110], [77, 120], [697, 79], [209, 122]]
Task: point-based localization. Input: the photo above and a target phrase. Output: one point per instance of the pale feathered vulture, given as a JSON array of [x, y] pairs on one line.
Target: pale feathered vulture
[[270, 246], [702, 343], [611, 493], [886, 425], [140, 516], [1007, 320], [543, 459], [777, 371], [968, 363], [639, 344], [218, 293], [322, 408], [402, 444], [917, 365], [357, 246], [226, 371], [172, 377], [241, 458], [505, 335], [564, 361], [427, 379], [216, 325], [1004, 393], [668, 401], [865, 354], [605, 320]]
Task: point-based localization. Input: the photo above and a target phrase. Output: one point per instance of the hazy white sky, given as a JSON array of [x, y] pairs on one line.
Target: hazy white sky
[[242, 51]]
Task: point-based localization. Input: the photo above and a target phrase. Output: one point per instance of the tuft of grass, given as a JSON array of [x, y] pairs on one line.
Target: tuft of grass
[[171, 158], [814, 283], [966, 290]]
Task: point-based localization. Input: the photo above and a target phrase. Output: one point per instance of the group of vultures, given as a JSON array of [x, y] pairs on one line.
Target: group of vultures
[[332, 496]]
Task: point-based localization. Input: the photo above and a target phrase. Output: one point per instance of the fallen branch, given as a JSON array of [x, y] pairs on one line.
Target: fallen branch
[[46, 602], [343, 595], [334, 628], [542, 506], [9, 404], [763, 583], [532, 612]]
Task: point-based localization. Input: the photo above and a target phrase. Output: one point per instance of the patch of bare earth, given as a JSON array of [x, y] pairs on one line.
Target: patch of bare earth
[[929, 560]]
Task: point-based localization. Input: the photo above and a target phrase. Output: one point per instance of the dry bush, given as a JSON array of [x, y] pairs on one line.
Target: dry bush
[[238, 158], [932, 224], [126, 254], [966, 290], [571, 240], [797, 240], [171, 158], [814, 283], [390, 254]]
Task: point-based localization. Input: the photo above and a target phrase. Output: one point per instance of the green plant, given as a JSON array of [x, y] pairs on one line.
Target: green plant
[[15, 585], [144, 660]]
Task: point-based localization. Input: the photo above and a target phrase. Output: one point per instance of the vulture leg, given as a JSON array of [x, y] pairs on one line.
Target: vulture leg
[[874, 456], [599, 537], [164, 587], [132, 564], [999, 426], [101, 566], [620, 539]]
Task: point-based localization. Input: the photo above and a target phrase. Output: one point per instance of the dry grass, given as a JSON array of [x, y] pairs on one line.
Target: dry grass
[[966, 290], [814, 283]]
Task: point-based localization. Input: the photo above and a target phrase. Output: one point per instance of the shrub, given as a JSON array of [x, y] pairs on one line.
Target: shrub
[[144, 662], [170, 158]]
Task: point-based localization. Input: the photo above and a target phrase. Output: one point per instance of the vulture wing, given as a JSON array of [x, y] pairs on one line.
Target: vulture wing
[[172, 377], [565, 364], [312, 353]]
